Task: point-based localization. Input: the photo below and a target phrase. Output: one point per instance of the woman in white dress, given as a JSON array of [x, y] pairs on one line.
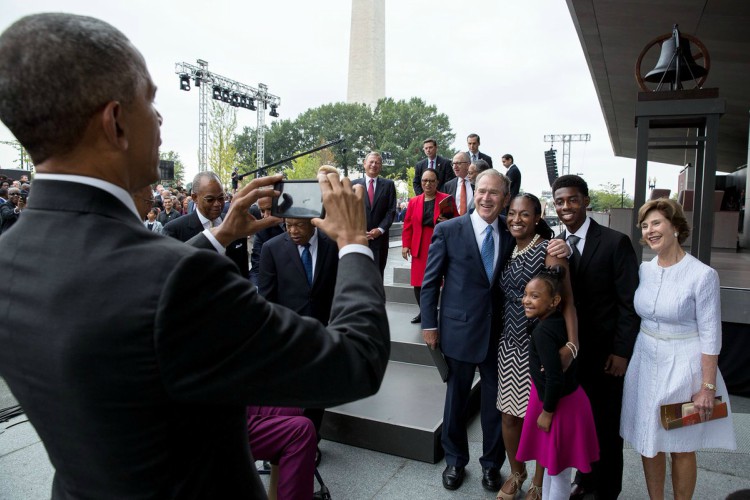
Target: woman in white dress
[[676, 354]]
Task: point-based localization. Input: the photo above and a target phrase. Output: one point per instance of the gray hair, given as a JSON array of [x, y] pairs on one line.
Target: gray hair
[[494, 173], [56, 71]]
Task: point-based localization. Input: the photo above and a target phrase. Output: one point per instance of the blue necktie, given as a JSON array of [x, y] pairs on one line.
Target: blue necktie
[[307, 263], [488, 252]]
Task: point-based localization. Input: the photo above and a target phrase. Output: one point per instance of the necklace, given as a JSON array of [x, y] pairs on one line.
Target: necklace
[[517, 252]]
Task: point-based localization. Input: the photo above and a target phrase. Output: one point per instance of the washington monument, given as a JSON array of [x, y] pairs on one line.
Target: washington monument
[[367, 52]]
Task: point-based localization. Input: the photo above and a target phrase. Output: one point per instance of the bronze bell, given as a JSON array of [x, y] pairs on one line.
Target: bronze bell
[[676, 63]]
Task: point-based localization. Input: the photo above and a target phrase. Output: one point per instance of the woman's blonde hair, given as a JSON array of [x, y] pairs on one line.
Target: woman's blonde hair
[[672, 211]]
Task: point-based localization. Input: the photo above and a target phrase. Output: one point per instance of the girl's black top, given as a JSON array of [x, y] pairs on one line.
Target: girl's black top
[[546, 340]]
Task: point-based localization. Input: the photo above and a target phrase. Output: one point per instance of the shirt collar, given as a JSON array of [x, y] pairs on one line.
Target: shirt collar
[[205, 220], [581, 233], [480, 225], [112, 189]]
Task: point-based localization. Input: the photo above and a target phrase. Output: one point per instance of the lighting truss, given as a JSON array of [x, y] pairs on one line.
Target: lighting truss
[[230, 92]]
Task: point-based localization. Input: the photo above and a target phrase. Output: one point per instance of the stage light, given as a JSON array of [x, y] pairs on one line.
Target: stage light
[[198, 78], [273, 111], [217, 93], [251, 104], [225, 95], [184, 82], [235, 100]]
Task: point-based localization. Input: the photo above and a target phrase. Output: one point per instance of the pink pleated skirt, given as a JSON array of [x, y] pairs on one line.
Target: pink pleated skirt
[[571, 441]]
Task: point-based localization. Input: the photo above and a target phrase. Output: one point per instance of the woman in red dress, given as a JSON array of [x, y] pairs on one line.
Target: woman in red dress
[[422, 214]]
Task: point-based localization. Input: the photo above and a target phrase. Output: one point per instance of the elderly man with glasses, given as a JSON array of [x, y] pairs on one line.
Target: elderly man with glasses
[[10, 210], [208, 197]]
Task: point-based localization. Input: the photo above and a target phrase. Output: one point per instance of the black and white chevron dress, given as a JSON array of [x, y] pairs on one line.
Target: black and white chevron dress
[[513, 353]]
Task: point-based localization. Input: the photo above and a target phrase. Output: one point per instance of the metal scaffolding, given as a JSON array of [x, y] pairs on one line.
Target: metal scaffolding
[[566, 139], [230, 92]]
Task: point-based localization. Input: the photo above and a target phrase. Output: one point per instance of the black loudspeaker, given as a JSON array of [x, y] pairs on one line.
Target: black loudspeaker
[[166, 170], [550, 159]]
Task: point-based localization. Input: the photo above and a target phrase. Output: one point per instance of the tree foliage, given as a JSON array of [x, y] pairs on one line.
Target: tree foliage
[[398, 127], [609, 196], [222, 155], [305, 167], [179, 168]]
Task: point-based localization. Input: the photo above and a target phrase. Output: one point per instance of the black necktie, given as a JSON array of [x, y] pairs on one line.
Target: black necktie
[[575, 258]]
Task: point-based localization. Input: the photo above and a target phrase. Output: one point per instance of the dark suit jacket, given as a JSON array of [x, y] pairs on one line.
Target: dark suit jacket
[[138, 382], [260, 238], [443, 167], [165, 217], [380, 214], [283, 280], [184, 228], [514, 175], [451, 187], [8, 216], [484, 157], [471, 305], [604, 284]]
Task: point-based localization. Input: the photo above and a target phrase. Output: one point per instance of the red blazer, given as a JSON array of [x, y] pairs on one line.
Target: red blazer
[[411, 233]]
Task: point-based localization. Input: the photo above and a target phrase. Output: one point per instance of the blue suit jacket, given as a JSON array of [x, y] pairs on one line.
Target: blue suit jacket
[[471, 304]]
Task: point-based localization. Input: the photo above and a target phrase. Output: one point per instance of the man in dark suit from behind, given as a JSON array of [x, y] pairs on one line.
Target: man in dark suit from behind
[[263, 208], [464, 197], [380, 207], [604, 276], [116, 376], [209, 197], [466, 257], [472, 141], [434, 162]]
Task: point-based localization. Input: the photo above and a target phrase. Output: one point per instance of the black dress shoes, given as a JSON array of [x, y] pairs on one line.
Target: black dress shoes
[[453, 477], [417, 318], [577, 492], [491, 480]]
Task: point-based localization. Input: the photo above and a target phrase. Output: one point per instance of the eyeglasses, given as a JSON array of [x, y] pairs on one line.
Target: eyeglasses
[[14, 194], [429, 181], [459, 163], [213, 199]]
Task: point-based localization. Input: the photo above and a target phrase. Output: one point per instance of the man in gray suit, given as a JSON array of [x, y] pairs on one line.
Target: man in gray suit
[[117, 373]]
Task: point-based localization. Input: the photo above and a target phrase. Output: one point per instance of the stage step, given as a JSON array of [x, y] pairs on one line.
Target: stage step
[[405, 417]]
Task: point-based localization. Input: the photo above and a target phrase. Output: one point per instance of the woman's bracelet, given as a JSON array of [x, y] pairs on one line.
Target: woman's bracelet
[[573, 349]]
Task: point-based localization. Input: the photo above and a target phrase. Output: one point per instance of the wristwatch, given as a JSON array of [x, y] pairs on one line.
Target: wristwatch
[[710, 387]]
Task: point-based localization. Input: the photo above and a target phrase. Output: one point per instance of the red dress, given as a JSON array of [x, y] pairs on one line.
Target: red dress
[[417, 237]]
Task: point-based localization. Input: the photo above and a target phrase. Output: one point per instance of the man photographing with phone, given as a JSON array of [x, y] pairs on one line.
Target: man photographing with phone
[[117, 375]]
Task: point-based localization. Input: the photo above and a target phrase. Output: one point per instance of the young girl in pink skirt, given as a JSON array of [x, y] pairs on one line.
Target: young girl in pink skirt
[[558, 431]]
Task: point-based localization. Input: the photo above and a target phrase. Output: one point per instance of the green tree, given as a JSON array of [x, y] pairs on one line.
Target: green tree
[[305, 167], [401, 126], [222, 155], [179, 168], [410, 175], [398, 127], [609, 196]]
